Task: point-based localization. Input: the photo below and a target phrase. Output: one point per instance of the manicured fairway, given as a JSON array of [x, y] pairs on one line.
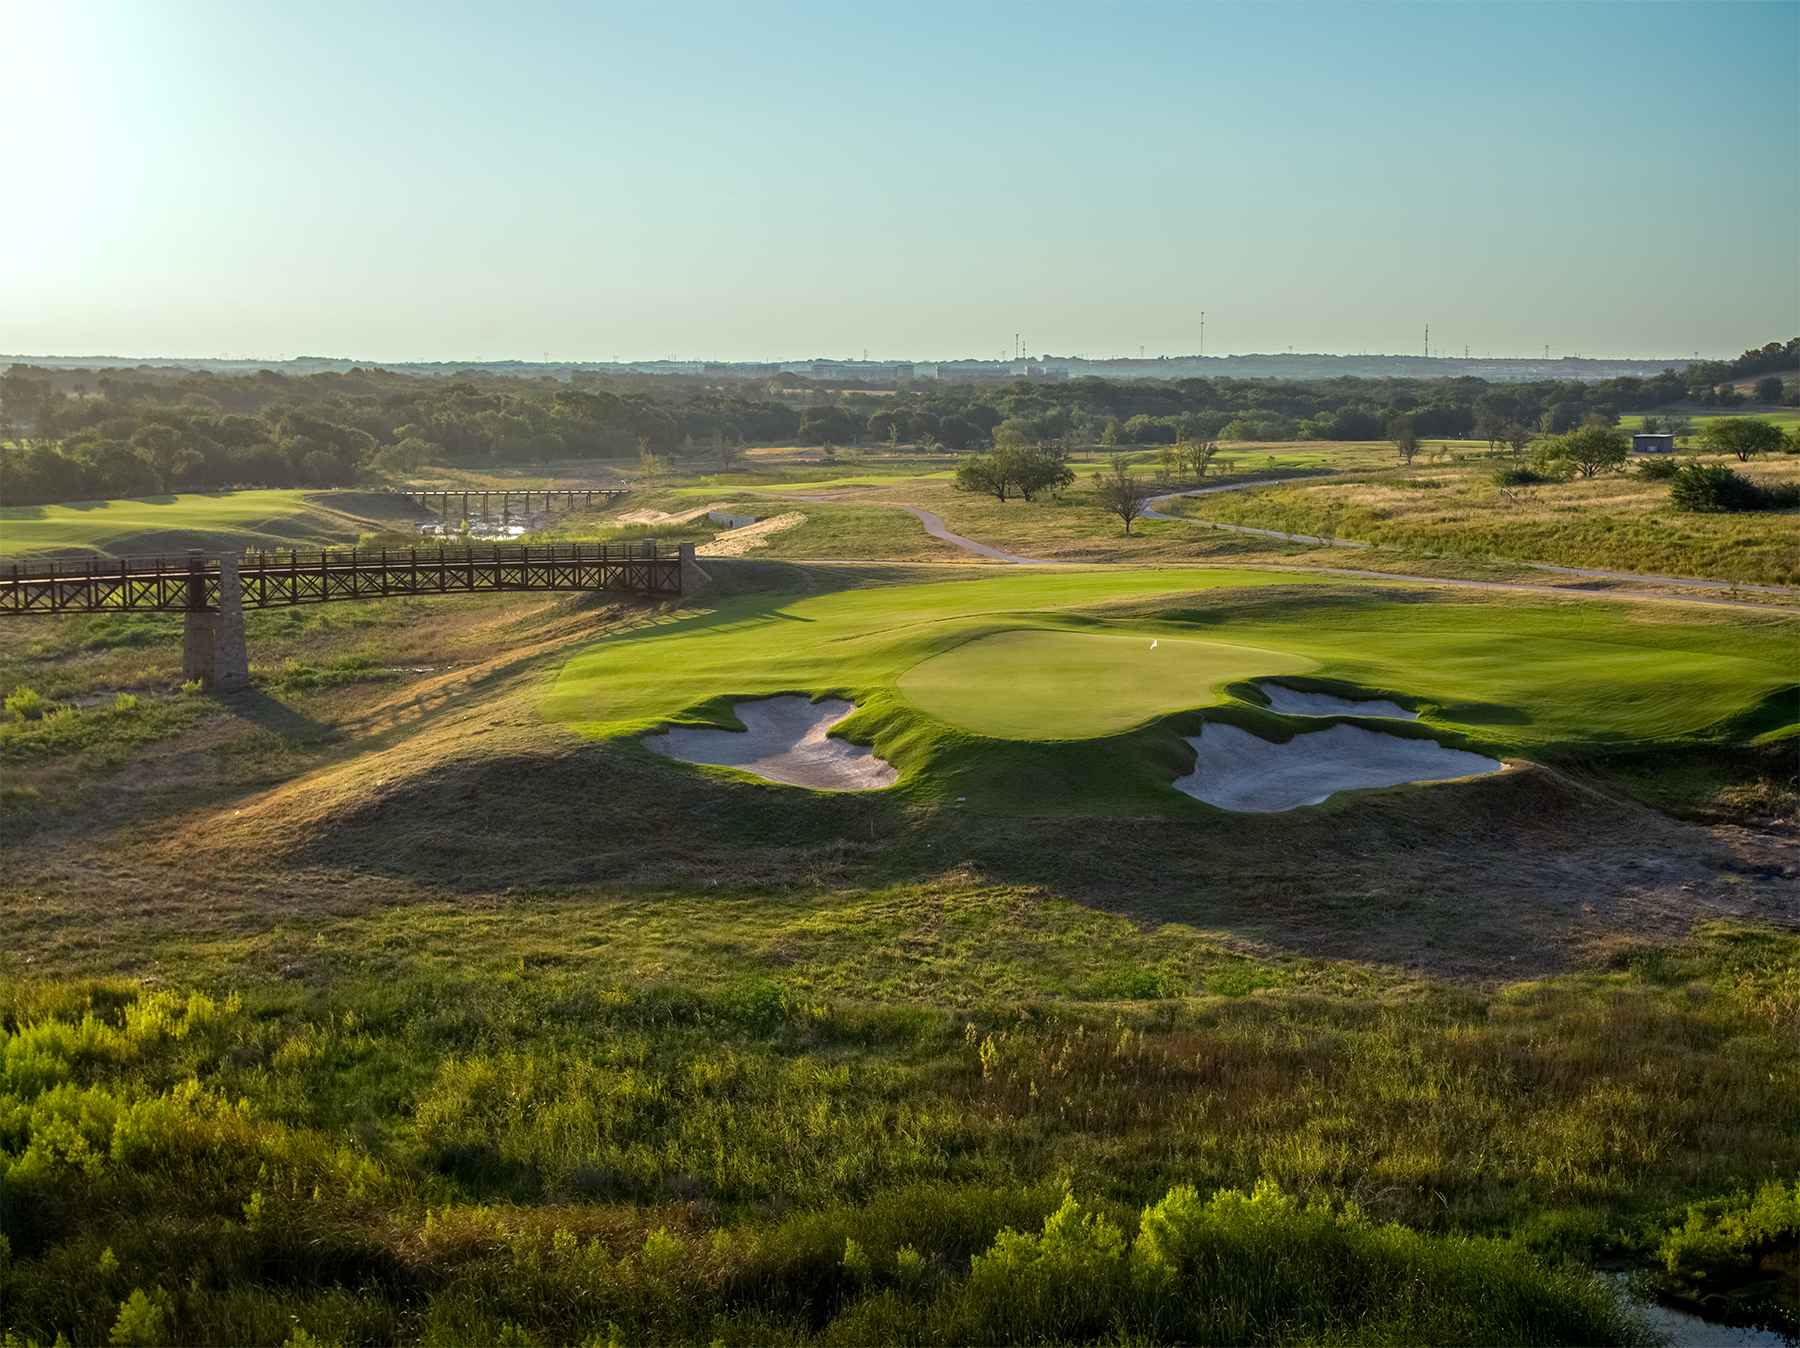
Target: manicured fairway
[[1041, 685], [243, 520], [1510, 672]]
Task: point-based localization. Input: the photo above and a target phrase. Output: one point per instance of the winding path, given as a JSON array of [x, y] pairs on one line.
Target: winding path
[[934, 525]]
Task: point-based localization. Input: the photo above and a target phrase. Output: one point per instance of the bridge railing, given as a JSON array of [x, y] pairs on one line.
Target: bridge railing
[[278, 579]]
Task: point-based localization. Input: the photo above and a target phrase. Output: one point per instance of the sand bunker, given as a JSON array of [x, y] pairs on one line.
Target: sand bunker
[[1291, 703], [666, 517], [1237, 771], [735, 541], [785, 741]]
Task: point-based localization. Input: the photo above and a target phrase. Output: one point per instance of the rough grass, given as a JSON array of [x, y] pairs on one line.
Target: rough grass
[[1614, 522], [426, 1146], [541, 1039]]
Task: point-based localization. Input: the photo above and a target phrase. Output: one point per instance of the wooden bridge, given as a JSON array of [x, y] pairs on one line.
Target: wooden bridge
[[214, 591], [441, 502]]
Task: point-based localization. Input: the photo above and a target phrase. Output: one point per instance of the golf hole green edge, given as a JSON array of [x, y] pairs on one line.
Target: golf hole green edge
[[1041, 684]]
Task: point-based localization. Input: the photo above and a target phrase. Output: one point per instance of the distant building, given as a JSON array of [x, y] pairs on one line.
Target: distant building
[[1649, 442], [861, 370], [973, 371], [742, 370]]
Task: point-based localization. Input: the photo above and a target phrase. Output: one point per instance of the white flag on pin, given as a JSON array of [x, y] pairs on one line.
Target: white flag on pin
[[1152, 645]]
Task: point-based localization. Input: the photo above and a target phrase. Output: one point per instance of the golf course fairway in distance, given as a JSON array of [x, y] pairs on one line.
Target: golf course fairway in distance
[[1034, 684]]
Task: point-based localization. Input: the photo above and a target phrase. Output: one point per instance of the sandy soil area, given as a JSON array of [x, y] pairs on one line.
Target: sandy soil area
[[1237, 771], [786, 741], [1290, 702], [734, 542]]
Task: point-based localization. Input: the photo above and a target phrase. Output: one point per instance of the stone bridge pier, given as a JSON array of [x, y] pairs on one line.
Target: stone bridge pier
[[692, 577], [212, 647]]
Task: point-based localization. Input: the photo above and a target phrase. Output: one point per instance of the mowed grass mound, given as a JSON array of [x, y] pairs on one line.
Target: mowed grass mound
[[244, 521], [1078, 685], [1510, 675]]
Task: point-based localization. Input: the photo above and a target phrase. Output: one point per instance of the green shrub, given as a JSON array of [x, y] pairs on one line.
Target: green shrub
[[36, 728], [1707, 487], [143, 1320], [27, 704], [1739, 1257], [1517, 477], [1659, 469], [1261, 1268]]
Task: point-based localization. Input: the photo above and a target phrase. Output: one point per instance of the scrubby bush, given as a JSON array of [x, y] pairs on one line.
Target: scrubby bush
[[1712, 487], [1658, 469], [1262, 1268], [1516, 477], [1739, 1256]]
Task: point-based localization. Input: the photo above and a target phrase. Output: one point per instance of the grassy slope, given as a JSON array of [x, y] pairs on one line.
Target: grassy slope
[[1615, 522], [244, 520], [1076, 685], [500, 983]]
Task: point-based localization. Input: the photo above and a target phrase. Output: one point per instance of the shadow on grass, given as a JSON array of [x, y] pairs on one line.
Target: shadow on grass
[[260, 709]]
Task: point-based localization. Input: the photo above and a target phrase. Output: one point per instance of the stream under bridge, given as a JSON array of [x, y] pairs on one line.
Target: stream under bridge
[[214, 589]]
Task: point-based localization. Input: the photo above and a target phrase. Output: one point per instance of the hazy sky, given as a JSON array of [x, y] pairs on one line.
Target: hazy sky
[[422, 181]]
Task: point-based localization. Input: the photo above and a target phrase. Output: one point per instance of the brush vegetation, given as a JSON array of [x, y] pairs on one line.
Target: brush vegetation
[[374, 1005], [1624, 522], [427, 1148]]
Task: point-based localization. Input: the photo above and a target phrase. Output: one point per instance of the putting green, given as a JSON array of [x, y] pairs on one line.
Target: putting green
[[1043, 685], [959, 683]]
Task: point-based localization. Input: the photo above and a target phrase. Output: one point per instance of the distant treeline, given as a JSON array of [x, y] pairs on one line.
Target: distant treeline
[[135, 433]]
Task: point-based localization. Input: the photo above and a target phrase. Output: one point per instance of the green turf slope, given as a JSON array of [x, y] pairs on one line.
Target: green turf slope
[[1508, 674], [241, 520], [1042, 685]]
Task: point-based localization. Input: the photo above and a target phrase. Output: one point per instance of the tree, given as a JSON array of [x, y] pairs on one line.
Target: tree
[[163, 448], [1081, 429], [1122, 494], [1517, 435], [648, 464], [406, 457], [1013, 469], [1593, 448], [1403, 437], [1768, 389], [1110, 436], [1200, 455], [1036, 469], [830, 422], [728, 450], [1744, 437], [1489, 427], [984, 474]]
